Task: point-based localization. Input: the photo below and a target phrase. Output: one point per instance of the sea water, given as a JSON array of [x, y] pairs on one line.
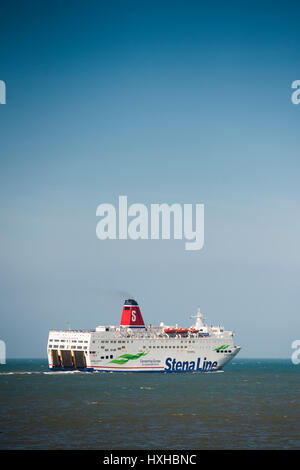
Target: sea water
[[253, 404]]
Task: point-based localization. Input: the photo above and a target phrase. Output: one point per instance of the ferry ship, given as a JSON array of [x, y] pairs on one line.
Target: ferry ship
[[134, 347]]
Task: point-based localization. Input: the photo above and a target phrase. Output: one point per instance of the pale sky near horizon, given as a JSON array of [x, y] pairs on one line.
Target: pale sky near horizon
[[163, 102]]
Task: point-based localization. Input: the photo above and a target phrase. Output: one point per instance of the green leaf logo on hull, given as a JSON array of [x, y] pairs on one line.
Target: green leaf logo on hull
[[224, 346], [128, 357]]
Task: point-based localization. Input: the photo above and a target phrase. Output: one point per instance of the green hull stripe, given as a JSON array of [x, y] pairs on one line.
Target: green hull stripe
[[224, 346], [128, 357]]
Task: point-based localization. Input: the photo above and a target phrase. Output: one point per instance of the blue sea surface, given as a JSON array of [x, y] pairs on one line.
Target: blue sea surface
[[253, 404]]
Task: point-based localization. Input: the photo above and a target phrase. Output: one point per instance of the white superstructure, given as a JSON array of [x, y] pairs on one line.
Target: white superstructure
[[133, 346]]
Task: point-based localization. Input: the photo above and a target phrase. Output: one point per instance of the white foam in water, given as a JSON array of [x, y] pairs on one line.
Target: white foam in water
[[63, 372], [19, 373]]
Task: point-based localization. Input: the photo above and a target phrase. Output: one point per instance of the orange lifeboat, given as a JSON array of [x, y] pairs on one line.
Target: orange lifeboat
[[193, 330], [182, 331], [170, 331]]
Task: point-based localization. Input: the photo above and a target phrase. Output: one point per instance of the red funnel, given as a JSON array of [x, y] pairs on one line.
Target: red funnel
[[131, 315]]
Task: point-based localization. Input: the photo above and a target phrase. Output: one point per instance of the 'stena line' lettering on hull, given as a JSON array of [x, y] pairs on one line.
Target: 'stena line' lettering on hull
[[172, 365]]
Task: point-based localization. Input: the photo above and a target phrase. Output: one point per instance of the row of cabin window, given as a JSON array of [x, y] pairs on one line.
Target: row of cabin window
[[66, 341], [112, 342], [165, 347], [56, 346]]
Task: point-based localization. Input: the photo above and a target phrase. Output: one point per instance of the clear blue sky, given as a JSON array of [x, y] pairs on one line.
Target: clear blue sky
[[163, 102]]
